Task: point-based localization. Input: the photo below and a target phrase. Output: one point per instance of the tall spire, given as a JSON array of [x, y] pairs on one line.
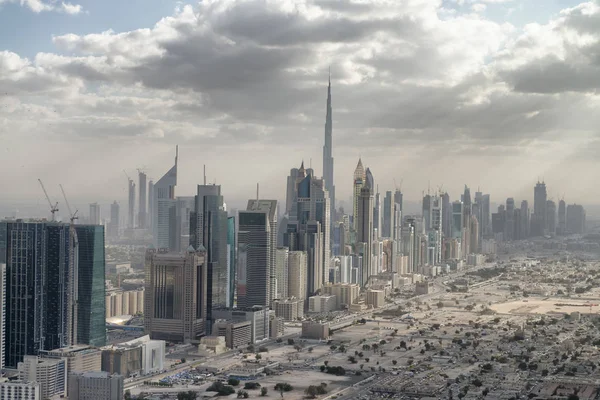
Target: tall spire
[[328, 152]]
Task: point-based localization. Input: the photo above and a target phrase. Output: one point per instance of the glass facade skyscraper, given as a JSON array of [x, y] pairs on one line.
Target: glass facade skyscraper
[[91, 322]]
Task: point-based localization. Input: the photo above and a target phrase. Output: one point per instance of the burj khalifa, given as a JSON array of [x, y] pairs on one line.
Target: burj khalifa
[[327, 155]]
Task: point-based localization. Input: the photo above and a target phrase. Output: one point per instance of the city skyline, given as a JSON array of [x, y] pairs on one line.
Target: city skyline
[[64, 104]]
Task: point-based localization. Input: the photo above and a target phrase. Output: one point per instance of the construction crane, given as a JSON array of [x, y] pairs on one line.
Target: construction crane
[[72, 215], [398, 188], [53, 208]]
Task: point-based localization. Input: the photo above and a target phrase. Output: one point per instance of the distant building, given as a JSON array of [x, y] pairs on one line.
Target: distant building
[[15, 390], [276, 327], [289, 309], [575, 219], [281, 272], [113, 225], [142, 201], [138, 356], [175, 299], [79, 358], [164, 218], [51, 374], [2, 312], [95, 214], [297, 274], [258, 317], [95, 385], [345, 293]]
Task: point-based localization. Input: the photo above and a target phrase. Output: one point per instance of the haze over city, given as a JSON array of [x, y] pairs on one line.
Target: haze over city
[[494, 94]]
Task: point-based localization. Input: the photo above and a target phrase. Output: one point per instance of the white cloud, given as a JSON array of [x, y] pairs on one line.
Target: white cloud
[[38, 6]]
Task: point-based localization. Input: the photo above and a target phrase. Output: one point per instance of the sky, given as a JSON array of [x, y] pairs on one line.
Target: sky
[[495, 94]]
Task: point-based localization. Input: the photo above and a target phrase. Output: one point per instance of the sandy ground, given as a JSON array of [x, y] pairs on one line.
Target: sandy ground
[[534, 306]]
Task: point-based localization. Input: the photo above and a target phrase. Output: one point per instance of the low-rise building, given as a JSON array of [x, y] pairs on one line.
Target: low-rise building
[[276, 327], [237, 334], [80, 358], [257, 315], [345, 293], [51, 374], [322, 303], [423, 287], [375, 298], [290, 309], [95, 386], [315, 330], [20, 390], [140, 356], [214, 344]]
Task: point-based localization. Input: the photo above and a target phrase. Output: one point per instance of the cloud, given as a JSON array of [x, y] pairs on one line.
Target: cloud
[[38, 6], [413, 84]]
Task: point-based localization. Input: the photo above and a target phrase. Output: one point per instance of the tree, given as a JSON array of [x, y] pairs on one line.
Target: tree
[[251, 385], [190, 395], [325, 362], [233, 381], [127, 395], [403, 344], [382, 342], [279, 340], [440, 304], [310, 349], [263, 349], [258, 356], [352, 359], [283, 386], [221, 389], [264, 391], [394, 362], [291, 342], [242, 394]]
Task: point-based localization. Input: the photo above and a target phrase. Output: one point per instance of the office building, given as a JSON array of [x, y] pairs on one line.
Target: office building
[[39, 290], [291, 192], [297, 275], [377, 216], [310, 229], [150, 212], [113, 225], [209, 229], [142, 200], [457, 220], [138, 356], [257, 238], [364, 227], [97, 385], [79, 358], [360, 178], [345, 294], [175, 295], [509, 220], [231, 260], [281, 272], [322, 303], [315, 330], [15, 390], [91, 265], [538, 219], [290, 309], [237, 334], [257, 315], [375, 298], [95, 214], [328, 158], [575, 219], [51, 374], [2, 313], [386, 220], [131, 204], [550, 217], [184, 220], [164, 219], [446, 216], [561, 229], [525, 219]]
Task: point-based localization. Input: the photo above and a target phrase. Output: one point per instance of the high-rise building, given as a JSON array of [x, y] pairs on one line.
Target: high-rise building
[[91, 265], [113, 225], [291, 191], [386, 230], [432, 219], [150, 204], [358, 183], [575, 219], [131, 204], [474, 231], [446, 215], [142, 199], [562, 218], [164, 218], [39, 297], [525, 219], [231, 260], [96, 385], [95, 214], [257, 238], [538, 219], [328, 156], [364, 228], [398, 198], [457, 219], [509, 220], [309, 230], [16, 390], [2, 313], [209, 229], [486, 216], [377, 216], [281, 272], [184, 216], [550, 217], [175, 300], [297, 275]]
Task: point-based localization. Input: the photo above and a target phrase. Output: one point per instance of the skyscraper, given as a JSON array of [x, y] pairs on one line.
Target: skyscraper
[[257, 236], [142, 204], [562, 217], [575, 219], [131, 205], [164, 219], [364, 229], [446, 216], [292, 184], [113, 225], [95, 214], [281, 272], [297, 275], [386, 230], [175, 299], [231, 260], [209, 229], [486, 216], [91, 264], [2, 312], [150, 204], [538, 220], [524, 219], [377, 216], [310, 230], [550, 217], [38, 300], [359, 181], [328, 156], [509, 220]]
